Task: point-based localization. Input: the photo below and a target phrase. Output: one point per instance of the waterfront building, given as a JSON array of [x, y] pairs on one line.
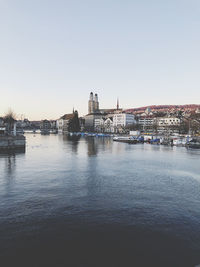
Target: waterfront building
[[99, 124], [69, 123], [112, 123], [53, 124], [82, 123], [168, 124], [104, 125], [170, 121], [96, 118], [123, 119], [63, 123], [90, 121], [160, 124], [45, 126], [147, 123], [108, 125], [24, 124]]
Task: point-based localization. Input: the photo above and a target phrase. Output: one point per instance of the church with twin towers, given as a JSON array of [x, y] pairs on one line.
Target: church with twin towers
[[105, 120], [93, 105]]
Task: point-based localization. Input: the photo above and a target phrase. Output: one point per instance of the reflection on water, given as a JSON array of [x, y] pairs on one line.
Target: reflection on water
[[73, 141], [10, 164], [71, 201], [10, 160], [92, 147]]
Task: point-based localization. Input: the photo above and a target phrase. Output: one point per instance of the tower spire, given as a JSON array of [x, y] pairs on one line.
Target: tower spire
[[117, 103]]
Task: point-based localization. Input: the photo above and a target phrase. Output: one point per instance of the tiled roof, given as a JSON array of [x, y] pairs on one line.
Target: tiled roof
[[67, 116]]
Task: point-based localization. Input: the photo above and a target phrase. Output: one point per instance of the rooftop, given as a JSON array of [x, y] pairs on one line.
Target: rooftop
[[67, 116]]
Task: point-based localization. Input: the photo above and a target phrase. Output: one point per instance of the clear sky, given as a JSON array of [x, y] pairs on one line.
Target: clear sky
[[54, 52]]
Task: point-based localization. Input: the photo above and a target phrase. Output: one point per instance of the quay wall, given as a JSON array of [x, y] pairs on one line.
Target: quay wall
[[12, 142]]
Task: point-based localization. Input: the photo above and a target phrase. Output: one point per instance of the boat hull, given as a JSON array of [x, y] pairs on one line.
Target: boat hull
[[196, 146], [126, 141]]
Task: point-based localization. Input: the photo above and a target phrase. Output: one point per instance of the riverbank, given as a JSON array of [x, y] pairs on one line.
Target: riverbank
[[12, 142]]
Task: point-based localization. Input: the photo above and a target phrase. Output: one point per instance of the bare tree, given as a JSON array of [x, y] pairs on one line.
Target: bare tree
[[10, 119]]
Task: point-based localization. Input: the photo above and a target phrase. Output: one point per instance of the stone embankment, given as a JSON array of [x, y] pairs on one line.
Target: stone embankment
[[12, 142]]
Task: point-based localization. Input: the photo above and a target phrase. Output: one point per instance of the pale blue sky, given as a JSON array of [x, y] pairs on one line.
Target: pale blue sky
[[54, 52]]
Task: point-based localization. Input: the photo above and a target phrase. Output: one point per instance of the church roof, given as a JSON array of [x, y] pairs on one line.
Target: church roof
[[67, 116]]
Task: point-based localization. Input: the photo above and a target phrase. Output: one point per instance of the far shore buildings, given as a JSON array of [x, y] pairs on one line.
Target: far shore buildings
[[161, 124], [63, 123], [69, 122], [45, 125], [106, 120]]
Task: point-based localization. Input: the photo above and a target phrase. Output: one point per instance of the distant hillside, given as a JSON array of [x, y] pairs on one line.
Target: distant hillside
[[164, 108]]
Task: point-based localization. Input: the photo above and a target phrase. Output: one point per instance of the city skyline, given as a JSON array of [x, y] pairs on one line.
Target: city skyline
[[54, 53]]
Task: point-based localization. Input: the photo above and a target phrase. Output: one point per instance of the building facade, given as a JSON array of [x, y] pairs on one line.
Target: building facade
[[171, 121], [45, 126], [90, 121], [113, 123], [147, 123], [63, 123], [104, 125], [123, 119]]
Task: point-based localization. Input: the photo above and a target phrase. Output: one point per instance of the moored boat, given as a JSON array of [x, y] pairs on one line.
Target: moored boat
[[124, 139], [194, 143], [179, 141]]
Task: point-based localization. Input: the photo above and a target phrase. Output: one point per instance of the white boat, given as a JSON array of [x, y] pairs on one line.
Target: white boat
[[179, 141], [91, 135]]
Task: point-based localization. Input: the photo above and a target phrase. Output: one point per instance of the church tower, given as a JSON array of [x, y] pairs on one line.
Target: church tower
[[93, 104], [96, 103]]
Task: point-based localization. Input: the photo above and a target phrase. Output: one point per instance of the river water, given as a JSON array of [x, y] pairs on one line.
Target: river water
[[91, 202]]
